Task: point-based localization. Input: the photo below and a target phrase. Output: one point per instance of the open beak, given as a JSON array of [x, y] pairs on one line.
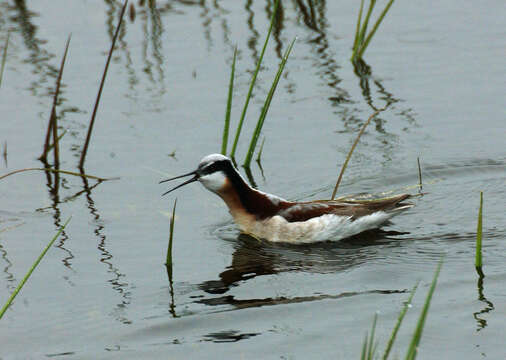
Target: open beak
[[195, 178]]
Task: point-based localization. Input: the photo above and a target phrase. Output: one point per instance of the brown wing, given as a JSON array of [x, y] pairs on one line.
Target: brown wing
[[303, 211]]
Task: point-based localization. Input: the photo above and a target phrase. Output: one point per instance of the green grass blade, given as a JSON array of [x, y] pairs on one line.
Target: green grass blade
[[369, 347], [363, 31], [373, 31], [253, 80], [415, 341], [4, 56], [372, 347], [479, 234], [357, 30], [265, 109], [168, 261], [25, 279], [400, 318], [363, 355], [224, 140]]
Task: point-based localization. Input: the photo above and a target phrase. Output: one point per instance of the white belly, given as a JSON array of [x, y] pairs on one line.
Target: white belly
[[325, 227]]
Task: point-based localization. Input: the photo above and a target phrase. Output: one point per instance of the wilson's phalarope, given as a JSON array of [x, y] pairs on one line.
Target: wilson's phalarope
[[270, 217]]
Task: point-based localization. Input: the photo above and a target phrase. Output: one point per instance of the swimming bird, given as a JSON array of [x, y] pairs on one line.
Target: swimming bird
[[272, 218]]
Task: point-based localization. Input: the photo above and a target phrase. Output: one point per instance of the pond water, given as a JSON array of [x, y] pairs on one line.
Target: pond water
[[103, 291]]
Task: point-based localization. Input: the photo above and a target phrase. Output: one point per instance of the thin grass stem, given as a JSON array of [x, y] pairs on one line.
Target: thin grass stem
[[419, 174], [479, 235], [95, 108], [343, 168], [52, 125], [417, 335], [32, 268], [363, 46], [253, 80], [405, 308], [265, 108], [58, 171], [168, 261], [224, 140], [259, 155], [4, 56]]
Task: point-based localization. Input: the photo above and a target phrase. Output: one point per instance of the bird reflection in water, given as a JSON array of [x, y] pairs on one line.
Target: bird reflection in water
[[254, 258]]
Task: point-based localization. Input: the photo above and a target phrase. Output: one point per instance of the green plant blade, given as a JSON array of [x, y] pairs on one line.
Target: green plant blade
[[479, 234], [357, 30], [363, 31], [224, 140], [369, 347], [364, 45], [34, 265], [265, 108], [252, 84], [415, 340], [399, 322]]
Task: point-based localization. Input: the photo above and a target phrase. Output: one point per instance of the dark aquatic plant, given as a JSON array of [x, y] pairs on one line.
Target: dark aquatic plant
[[168, 261], [52, 127], [479, 234], [97, 101]]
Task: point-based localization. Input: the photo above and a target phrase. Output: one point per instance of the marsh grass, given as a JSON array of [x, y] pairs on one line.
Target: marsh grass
[[226, 127], [478, 262], [361, 41], [345, 164], [400, 318], [52, 127], [265, 108], [419, 174], [97, 101], [417, 335], [4, 56], [30, 271], [369, 346], [168, 261], [253, 81]]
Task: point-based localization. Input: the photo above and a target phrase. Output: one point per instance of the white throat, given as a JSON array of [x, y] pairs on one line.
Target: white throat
[[214, 182]]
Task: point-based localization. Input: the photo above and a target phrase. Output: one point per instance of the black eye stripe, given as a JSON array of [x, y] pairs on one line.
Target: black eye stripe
[[213, 167]]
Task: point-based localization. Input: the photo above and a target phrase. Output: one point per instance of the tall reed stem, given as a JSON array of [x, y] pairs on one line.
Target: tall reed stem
[[97, 101]]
